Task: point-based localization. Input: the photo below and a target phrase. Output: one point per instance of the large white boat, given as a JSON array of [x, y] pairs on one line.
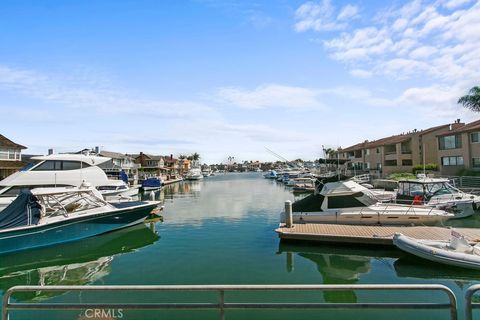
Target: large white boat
[[347, 202], [194, 174], [47, 216], [437, 192], [62, 170]]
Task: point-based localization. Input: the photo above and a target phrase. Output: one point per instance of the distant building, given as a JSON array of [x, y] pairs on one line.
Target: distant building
[[118, 163], [10, 157]]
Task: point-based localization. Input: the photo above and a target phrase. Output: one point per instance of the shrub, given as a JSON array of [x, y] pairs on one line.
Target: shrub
[[401, 176], [428, 166]]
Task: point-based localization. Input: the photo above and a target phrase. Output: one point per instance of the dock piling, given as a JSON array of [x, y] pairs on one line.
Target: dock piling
[[288, 214]]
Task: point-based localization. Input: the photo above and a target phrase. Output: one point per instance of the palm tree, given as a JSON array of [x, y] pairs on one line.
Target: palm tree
[[195, 156], [471, 100]]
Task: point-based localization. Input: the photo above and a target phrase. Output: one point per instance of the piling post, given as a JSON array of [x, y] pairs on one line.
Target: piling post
[[288, 214]]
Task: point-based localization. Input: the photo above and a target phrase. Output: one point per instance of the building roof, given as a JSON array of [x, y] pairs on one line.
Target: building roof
[[114, 155], [5, 142], [472, 126], [398, 138]]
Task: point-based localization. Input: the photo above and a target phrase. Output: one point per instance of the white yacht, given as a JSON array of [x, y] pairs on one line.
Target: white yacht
[[62, 170], [194, 174], [347, 202]]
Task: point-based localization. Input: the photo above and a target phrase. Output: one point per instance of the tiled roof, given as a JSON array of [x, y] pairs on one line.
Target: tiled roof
[[397, 138], [5, 142], [472, 126], [113, 155]]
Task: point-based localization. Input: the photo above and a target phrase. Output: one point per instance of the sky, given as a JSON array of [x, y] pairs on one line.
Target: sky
[[232, 78]]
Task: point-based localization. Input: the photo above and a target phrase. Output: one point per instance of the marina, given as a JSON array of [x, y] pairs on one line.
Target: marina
[[229, 238]]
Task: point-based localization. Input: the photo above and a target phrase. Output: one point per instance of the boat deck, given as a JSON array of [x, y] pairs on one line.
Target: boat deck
[[359, 234]]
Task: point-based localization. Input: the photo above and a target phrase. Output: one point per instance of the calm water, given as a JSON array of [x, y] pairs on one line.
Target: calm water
[[221, 231]]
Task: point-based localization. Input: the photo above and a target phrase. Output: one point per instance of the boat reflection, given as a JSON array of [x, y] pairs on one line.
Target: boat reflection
[[338, 264], [413, 267], [77, 263]]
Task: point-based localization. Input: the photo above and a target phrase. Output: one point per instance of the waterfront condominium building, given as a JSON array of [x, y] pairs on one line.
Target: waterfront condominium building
[[398, 153], [459, 149]]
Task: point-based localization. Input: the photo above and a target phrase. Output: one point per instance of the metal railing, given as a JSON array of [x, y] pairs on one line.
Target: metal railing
[[221, 305], [469, 304]]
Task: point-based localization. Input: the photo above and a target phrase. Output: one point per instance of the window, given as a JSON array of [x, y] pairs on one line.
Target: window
[[390, 163], [476, 162], [407, 162], [378, 150], [452, 161], [450, 142], [3, 154], [56, 165], [366, 152], [71, 165], [475, 137]]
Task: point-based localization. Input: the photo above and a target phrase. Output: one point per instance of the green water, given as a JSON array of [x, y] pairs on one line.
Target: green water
[[221, 231]]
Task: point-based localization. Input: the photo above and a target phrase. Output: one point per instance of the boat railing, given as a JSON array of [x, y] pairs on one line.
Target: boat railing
[[225, 301], [469, 303]]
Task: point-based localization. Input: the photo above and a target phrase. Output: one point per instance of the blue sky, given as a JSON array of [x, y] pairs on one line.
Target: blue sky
[[229, 78]]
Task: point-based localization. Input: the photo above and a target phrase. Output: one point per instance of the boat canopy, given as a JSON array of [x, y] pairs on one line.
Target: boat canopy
[[23, 211], [152, 183]]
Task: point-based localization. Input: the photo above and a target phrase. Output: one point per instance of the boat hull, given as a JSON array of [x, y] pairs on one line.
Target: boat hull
[[72, 229], [432, 250], [373, 216]]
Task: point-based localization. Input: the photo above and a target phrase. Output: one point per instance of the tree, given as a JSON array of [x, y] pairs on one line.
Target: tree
[[195, 156], [182, 157], [471, 100]]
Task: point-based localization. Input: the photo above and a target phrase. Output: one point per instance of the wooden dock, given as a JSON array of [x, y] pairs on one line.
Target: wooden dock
[[363, 234]]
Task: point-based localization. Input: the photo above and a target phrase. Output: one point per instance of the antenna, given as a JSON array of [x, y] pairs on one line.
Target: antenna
[[278, 156]]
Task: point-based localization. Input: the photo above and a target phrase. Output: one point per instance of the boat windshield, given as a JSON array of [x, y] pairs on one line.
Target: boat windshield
[[427, 189], [68, 203], [439, 188]]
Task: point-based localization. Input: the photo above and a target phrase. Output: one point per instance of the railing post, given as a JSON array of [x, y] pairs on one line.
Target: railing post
[[222, 303], [288, 214]]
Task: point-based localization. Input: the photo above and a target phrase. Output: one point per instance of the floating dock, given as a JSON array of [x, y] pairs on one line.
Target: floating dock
[[364, 234]]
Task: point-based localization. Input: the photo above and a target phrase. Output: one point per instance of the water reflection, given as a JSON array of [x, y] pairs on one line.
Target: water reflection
[[77, 263], [230, 197], [413, 267]]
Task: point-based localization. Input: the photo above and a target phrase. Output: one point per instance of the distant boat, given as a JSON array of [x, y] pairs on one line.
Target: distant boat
[[47, 216], [151, 184], [456, 252], [347, 202], [194, 174], [271, 174]]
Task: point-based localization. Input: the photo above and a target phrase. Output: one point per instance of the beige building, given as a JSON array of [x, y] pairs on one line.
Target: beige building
[[397, 153], [459, 149], [10, 157]]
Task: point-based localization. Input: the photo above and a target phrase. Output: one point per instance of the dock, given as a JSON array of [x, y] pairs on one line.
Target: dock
[[167, 182], [366, 234]]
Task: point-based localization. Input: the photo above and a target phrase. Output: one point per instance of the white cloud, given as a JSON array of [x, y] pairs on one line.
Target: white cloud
[[348, 12], [418, 39], [75, 94], [320, 16], [269, 96], [452, 4], [360, 73]]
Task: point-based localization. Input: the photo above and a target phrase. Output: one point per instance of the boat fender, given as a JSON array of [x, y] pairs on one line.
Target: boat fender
[[417, 200]]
